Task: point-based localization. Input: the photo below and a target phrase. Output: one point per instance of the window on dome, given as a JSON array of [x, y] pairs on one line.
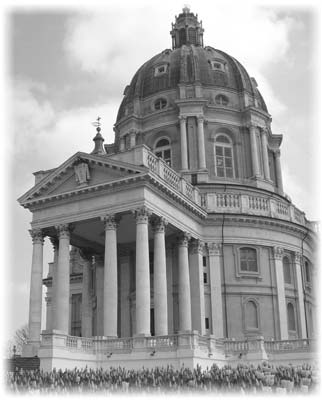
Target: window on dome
[[248, 259], [159, 104], [160, 70], [224, 166], [287, 270], [221, 99], [163, 150], [291, 317], [217, 65], [192, 35]]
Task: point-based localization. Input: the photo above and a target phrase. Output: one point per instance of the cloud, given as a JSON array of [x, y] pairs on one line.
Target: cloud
[[45, 137], [111, 44]]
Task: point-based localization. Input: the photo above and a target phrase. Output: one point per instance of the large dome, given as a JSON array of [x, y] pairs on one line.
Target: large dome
[[188, 63]]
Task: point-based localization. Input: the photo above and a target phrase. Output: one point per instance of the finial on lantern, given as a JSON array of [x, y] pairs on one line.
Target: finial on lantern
[[186, 8]]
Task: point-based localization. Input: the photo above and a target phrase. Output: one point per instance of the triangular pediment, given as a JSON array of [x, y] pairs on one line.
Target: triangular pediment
[[78, 172]]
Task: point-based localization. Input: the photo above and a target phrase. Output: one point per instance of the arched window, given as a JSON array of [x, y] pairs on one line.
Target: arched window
[[163, 150], [251, 315], [224, 165], [287, 270], [221, 99], [248, 259], [291, 317]]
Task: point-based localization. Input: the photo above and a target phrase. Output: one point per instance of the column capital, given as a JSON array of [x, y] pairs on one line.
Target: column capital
[[37, 236], [55, 242], [111, 221], [182, 118], [214, 249], [197, 246], [200, 118], [278, 252], [183, 238], [142, 215], [277, 152], [63, 230], [298, 257], [158, 224]]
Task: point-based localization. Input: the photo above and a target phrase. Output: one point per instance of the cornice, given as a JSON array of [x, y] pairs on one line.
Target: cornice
[[259, 221]]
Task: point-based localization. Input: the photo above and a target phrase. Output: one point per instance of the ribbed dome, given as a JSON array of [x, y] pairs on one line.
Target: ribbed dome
[[189, 64]]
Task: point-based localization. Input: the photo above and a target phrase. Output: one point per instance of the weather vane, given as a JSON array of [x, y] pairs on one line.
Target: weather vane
[[97, 124]]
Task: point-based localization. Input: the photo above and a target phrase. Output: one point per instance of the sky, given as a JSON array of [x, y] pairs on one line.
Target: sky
[[67, 63]]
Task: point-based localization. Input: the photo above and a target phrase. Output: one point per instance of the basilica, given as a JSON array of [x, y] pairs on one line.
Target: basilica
[[175, 244]]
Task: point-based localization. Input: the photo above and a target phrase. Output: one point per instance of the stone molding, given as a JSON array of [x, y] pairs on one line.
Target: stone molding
[[214, 249], [278, 252], [111, 222], [37, 236]]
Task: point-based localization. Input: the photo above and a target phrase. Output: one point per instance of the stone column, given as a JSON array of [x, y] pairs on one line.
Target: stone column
[[254, 150], [265, 154], [54, 242], [278, 255], [279, 181], [142, 272], [86, 300], [35, 300], [110, 277], [217, 322], [201, 143], [183, 139], [299, 284], [197, 287], [184, 283], [62, 288], [160, 278]]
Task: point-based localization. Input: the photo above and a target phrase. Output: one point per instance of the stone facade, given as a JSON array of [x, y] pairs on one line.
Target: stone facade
[[180, 230]]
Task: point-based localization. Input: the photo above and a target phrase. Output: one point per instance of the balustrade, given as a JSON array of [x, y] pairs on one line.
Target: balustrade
[[258, 203], [228, 200]]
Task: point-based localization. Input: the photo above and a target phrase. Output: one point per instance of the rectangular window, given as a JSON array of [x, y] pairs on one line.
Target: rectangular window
[[205, 278], [207, 323], [204, 261], [248, 259]]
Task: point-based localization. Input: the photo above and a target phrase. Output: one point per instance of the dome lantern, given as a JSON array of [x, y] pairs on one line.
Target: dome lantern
[[187, 29]]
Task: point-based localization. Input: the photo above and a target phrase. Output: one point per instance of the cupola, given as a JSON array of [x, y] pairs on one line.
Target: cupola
[[186, 29]]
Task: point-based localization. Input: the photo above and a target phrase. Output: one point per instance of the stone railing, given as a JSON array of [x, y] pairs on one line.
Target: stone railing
[[164, 171], [243, 203], [187, 340], [276, 346], [143, 156]]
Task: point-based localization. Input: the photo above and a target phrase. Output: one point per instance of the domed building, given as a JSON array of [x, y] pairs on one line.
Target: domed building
[[176, 243]]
